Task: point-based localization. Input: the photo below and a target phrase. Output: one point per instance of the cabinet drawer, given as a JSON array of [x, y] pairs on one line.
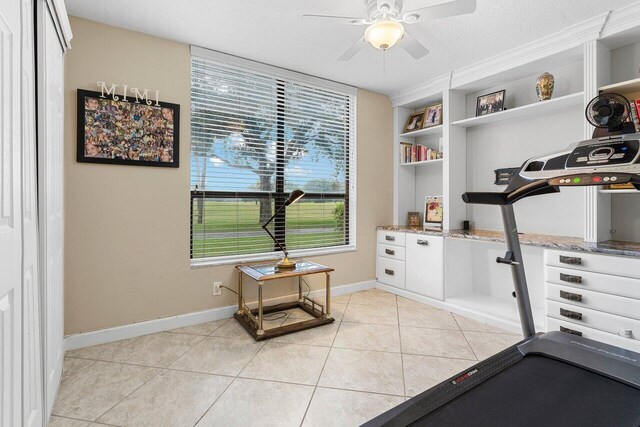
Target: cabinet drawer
[[619, 266], [390, 272], [577, 297], [617, 325], [395, 238], [424, 264], [389, 251], [593, 334], [589, 280]]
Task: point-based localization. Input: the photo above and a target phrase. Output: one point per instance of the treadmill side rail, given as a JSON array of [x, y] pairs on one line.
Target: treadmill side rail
[[613, 362]]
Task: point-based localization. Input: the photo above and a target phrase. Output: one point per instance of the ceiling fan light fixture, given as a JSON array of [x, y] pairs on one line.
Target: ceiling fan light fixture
[[384, 34]]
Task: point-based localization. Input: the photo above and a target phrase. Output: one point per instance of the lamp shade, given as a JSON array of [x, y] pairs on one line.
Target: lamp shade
[[294, 197], [384, 34]]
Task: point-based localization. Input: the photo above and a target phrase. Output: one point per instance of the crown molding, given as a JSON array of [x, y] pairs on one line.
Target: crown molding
[[430, 88], [622, 19], [569, 38]]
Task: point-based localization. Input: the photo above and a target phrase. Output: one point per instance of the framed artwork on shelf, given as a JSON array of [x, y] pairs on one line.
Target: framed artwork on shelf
[[433, 211], [432, 116], [490, 103], [413, 219], [117, 131], [415, 122]]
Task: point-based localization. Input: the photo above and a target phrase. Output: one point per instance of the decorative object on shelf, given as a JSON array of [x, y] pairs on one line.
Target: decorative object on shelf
[[432, 116], [114, 129], [415, 122], [285, 263], [466, 225], [413, 219], [433, 211], [504, 175], [544, 86], [490, 103]]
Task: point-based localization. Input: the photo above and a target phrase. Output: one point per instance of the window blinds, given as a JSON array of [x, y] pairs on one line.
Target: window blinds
[[256, 137]]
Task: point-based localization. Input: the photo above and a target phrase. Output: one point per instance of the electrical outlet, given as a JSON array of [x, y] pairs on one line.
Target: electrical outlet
[[217, 288]]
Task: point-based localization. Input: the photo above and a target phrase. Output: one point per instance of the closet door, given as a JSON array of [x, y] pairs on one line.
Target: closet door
[[32, 354], [51, 196], [10, 217]]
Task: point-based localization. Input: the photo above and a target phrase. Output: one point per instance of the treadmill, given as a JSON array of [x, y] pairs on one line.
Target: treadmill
[[550, 379]]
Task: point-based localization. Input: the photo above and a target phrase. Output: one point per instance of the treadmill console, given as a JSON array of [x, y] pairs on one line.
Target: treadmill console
[[608, 152]]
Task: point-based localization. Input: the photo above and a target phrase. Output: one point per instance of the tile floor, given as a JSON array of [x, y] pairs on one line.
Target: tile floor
[[381, 350]]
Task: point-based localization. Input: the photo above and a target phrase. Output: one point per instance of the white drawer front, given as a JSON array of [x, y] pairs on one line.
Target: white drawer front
[[613, 304], [606, 283], [393, 252], [593, 334], [617, 325], [390, 272], [619, 266], [395, 238]]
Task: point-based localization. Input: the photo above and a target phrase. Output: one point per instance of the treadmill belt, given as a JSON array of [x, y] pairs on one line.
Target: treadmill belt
[[539, 391]]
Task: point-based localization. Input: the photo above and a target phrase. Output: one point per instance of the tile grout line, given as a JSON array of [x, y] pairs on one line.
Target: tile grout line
[[322, 370], [465, 338], [404, 381]]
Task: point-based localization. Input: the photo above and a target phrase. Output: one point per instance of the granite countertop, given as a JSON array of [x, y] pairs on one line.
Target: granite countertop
[[609, 247]]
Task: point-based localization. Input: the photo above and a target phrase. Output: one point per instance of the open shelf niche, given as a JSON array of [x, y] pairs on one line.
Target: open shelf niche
[[621, 74]]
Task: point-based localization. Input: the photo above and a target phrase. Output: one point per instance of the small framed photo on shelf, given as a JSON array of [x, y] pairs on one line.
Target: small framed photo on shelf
[[490, 103], [413, 219], [433, 211], [432, 116], [415, 122]]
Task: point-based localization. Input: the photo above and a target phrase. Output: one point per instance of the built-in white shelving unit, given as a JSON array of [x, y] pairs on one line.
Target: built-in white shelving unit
[[602, 53], [525, 111]]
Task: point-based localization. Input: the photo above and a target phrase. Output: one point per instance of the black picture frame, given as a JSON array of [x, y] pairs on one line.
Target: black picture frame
[[111, 141], [483, 111]]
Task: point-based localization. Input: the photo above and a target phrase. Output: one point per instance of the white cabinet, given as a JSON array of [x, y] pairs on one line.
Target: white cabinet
[[424, 265], [391, 255]]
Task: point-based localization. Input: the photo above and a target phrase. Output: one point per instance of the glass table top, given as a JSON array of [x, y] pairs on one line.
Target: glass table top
[[269, 271]]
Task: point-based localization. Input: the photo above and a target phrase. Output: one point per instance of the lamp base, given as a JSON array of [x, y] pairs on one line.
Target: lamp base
[[286, 264]]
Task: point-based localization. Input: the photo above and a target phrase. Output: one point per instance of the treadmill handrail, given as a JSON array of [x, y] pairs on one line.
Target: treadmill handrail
[[509, 197]]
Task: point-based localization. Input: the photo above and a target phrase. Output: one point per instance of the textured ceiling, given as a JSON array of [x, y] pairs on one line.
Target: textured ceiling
[[273, 32]]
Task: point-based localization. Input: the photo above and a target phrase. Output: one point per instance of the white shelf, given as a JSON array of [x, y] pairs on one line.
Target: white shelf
[[501, 309], [524, 111], [433, 130], [424, 162], [624, 87], [621, 191]]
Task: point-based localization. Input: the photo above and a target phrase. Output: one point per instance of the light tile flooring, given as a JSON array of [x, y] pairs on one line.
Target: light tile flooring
[[381, 350]]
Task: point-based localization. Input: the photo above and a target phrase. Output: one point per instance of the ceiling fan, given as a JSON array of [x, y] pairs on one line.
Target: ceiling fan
[[385, 20]]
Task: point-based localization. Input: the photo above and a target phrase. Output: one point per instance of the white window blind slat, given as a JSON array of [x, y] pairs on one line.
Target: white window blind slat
[[256, 137]]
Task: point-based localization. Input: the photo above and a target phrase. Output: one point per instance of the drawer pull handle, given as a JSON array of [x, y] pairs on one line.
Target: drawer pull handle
[[423, 242], [570, 331], [570, 278], [389, 272], [389, 252], [570, 296], [390, 238], [570, 314], [572, 260]]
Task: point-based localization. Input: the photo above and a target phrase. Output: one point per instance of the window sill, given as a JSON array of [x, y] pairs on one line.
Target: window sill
[[243, 259]]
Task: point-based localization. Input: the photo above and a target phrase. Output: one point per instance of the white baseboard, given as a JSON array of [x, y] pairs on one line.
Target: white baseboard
[[102, 336]]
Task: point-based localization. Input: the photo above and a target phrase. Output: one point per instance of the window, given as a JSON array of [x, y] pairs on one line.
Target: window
[[257, 133]]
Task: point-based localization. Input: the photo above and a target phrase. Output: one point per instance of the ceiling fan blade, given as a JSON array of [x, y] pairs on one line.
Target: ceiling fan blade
[[443, 10], [351, 52], [323, 19], [412, 46]]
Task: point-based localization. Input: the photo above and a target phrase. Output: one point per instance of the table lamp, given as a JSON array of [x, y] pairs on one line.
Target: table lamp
[[285, 263]]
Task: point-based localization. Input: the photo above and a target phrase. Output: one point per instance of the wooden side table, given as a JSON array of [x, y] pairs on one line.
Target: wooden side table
[[252, 320]]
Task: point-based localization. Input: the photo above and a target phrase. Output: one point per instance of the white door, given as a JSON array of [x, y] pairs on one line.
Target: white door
[[32, 355], [50, 175], [10, 217], [424, 261]]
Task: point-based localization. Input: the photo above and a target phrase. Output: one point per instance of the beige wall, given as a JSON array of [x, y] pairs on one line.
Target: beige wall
[[127, 228]]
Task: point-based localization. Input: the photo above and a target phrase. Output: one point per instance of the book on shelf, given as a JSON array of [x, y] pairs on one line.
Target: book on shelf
[[634, 116], [410, 153]]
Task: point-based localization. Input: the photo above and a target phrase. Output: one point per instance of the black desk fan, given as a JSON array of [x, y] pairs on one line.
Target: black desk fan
[[609, 113]]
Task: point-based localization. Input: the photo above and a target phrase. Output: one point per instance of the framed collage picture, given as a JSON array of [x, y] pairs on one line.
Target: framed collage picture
[[116, 131], [433, 211]]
